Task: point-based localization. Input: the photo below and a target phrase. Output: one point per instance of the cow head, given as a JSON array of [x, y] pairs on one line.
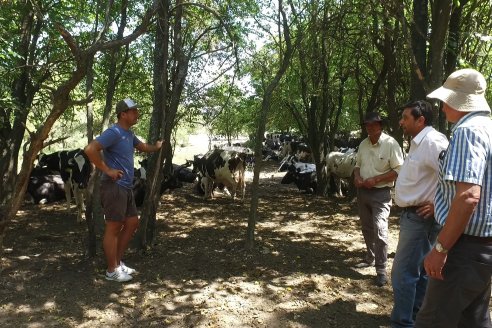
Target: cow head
[[81, 168], [139, 186], [49, 161], [184, 174]]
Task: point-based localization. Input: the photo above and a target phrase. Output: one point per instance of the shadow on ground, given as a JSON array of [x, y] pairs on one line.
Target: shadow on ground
[[198, 273]]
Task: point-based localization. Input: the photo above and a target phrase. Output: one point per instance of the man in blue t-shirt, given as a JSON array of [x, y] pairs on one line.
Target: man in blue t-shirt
[[120, 212]]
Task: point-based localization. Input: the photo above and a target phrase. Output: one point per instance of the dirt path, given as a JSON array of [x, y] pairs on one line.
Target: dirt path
[[198, 273]]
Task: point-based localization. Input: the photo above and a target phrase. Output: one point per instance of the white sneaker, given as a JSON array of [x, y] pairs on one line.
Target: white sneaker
[[364, 264], [118, 275], [126, 269]]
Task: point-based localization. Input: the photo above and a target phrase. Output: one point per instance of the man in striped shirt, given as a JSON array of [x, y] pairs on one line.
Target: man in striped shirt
[[460, 264]]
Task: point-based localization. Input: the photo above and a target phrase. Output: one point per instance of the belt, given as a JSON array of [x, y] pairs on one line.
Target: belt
[[476, 239], [410, 208]]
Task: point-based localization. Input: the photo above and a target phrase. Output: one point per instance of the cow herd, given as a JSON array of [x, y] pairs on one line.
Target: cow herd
[[65, 174], [296, 161]]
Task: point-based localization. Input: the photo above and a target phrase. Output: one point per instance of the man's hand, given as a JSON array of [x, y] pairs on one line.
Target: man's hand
[[433, 264], [358, 181], [114, 174], [426, 210], [148, 148], [369, 183]]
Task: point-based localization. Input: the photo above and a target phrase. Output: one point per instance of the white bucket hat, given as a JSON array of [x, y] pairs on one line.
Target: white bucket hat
[[464, 90]]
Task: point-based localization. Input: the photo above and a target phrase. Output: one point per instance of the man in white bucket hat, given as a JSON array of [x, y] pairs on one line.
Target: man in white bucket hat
[[460, 264]]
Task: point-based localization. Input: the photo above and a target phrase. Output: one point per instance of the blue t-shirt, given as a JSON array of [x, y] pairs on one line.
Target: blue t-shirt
[[118, 148]]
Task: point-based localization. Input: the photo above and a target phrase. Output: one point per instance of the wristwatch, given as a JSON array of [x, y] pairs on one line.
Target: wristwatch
[[440, 248]]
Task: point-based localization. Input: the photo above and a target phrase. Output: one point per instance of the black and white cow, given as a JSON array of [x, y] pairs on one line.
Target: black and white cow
[[180, 172], [300, 149], [247, 154], [303, 175], [178, 175], [75, 170], [45, 186], [220, 166], [286, 162], [269, 154], [341, 166], [184, 174], [139, 185]]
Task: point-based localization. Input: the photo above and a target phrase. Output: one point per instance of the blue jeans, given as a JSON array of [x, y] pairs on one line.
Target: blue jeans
[[408, 277]]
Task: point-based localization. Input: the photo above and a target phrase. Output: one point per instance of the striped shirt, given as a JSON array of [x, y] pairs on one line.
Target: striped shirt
[[468, 159]]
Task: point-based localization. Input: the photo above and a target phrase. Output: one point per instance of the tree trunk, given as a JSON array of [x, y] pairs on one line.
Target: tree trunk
[[419, 47], [23, 92], [89, 192], [392, 79], [454, 38], [145, 234], [260, 132], [61, 102], [441, 12]]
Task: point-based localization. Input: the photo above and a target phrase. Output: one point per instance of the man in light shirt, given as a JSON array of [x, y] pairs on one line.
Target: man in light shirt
[[378, 161], [414, 192]]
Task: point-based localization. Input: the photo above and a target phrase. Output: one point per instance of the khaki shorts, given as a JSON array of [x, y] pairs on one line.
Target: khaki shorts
[[117, 202]]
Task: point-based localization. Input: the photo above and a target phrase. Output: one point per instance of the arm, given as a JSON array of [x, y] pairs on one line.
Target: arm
[[358, 181], [389, 176], [147, 148], [93, 151], [462, 207], [395, 163]]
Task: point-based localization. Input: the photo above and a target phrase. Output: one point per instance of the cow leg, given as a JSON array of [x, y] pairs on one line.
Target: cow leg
[[210, 188], [79, 202], [338, 184], [233, 190], [207, 186], [229, 191], [68, 192], [238, 188], [242, 185], [203, 185]]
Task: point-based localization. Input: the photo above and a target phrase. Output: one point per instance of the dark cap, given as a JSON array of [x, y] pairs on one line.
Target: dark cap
[[372, 117], [125, 105]]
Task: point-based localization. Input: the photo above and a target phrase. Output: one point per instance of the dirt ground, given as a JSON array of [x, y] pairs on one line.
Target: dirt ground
[[198, 273]]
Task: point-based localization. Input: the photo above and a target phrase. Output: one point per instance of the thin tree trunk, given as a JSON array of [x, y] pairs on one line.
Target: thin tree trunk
[[260, 132], [89, 196], [441, 13], [419, 47], [144, 237]]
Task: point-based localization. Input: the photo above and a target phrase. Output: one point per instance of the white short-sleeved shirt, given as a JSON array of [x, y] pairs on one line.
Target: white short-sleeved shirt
[[417, 179]]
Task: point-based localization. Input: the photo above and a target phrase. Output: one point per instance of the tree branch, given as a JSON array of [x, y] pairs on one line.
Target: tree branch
[[69, 40]]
